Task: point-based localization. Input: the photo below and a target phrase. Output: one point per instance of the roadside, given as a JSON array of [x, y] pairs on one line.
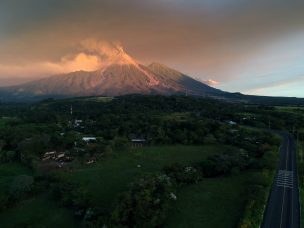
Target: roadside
[[300, 160]]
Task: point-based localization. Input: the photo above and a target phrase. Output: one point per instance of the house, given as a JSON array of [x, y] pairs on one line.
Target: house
[[49, 155], [231, 123], [138, 142], [60, 156], [54, 155], [89, 139], [77, 123]]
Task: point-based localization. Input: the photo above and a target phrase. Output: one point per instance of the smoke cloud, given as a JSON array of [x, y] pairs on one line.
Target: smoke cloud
[[90, 55]]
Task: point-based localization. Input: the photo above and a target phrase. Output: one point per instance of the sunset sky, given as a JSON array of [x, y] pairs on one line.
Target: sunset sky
[[250, 46]]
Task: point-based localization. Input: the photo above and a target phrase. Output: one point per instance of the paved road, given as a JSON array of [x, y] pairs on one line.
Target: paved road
[[283, 209]]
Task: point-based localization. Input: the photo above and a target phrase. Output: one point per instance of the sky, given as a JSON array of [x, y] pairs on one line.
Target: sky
[[248, 46]]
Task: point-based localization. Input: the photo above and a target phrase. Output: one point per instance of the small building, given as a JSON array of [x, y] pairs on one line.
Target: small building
[[55, 156], [60, 156], [77, 123], [232, 123], [138, 142], [89, 139], [49, 155]]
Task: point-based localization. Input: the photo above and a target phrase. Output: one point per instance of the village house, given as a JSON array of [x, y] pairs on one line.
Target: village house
[[78, 123], [49, 156], [89, 139], [56, 156], [60, 156], [231, 123], [138, 142]]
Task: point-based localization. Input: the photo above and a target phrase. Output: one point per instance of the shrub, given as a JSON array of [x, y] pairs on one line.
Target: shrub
[[222, 164], [182, 174], [145, 204], [21, 185]]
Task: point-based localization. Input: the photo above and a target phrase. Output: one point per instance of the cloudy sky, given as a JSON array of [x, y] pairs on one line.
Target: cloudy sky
[[251, 46]]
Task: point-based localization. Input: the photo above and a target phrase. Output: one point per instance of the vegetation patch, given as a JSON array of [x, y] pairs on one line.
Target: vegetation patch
[[38, 211]]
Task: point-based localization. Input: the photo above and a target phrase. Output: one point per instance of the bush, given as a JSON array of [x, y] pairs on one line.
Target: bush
[[182, 174], [210, 139], [222, 164], [145, 204], [21, 185]]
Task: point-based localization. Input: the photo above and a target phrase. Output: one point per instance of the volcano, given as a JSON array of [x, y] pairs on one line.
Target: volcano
[[119, 74]]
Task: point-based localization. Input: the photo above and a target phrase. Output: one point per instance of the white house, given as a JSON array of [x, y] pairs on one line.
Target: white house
[[89, 139], [60, 155], [232, 123]]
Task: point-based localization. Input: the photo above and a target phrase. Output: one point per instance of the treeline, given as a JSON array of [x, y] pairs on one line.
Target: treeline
[[28, 130]]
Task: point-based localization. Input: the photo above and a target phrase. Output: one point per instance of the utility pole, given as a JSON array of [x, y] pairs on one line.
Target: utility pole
[[71, 110]]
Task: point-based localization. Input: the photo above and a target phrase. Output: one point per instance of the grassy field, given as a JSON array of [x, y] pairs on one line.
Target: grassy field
[[7, 174], [39, 211], [300, 162], [292, 109], [214, 202], [5, 121], [111, 176]]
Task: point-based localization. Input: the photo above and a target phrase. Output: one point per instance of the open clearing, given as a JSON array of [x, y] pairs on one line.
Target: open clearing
[[111, 176], [214, 202]]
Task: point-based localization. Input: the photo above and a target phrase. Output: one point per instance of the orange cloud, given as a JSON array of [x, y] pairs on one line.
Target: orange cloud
[[90, 55], [80, 61]]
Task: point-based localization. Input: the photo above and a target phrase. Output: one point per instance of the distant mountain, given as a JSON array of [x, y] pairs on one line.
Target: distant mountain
[[119, 75]]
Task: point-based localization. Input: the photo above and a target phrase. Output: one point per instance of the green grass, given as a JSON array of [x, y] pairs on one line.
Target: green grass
[[100, 99], [214, 202], [291, 109], [111, 176], [5, 121], [39, 211], [300, 161], [7, 174]]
